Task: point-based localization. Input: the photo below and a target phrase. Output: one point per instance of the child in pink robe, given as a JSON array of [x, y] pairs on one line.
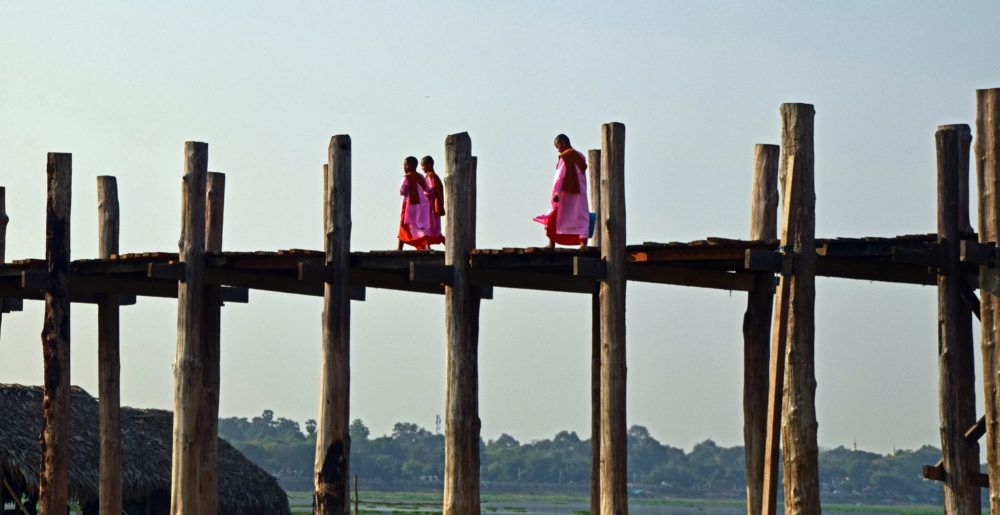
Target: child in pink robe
[[414, 220], [435, 194], [568, 219]]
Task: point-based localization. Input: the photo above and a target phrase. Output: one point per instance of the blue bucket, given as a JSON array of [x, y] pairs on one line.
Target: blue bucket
[[593, 223]]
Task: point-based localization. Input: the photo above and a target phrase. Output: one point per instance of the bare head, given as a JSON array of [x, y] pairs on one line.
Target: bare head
[[562, 143], [427, 164], [410, 164]]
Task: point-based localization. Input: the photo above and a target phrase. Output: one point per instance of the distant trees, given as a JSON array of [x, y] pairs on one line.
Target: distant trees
[[412, 455]]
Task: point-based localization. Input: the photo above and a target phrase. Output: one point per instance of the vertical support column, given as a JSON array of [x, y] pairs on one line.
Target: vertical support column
[[594, 163], [3, 234], [757, 324], [188, 366], [109, 364], [614, 472], [333, 442], [956, 386], [462, 425], [208, 427], [56, 438], [798, 419], [987, 148]]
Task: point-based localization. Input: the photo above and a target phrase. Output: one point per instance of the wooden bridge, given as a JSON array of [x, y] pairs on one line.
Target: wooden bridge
[[779, 382]]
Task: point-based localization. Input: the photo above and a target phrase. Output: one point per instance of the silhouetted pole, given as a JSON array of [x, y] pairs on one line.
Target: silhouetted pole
[[987, 148], [757, 324], [956, 370], [109, 361], [215, 197], [462, 425], [189, 365], [3, 234], [333, 441], [56, 438], [614, 472], [594, 161]]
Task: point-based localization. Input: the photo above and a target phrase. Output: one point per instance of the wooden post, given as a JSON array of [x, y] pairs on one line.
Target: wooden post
[[462, 425], [757, 324], [109, 364], [333, 441], [594, 162], [189, 367], [956, 387], [3, 233], [56, 439], [987, 148], [798, 418], [614, 472], [208, 430]]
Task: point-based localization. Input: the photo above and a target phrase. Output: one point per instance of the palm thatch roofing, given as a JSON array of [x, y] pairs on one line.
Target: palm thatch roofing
[[146, 450]]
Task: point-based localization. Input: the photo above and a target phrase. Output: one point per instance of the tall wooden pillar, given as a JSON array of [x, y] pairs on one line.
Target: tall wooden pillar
[[757, 324], [109, 362], [796, 301], [594, 174], [56, 438], [3, 234], [333, 441], [208, 430], [987, 149], [614, 472], [956, 386], [185, 484], [462, 425]]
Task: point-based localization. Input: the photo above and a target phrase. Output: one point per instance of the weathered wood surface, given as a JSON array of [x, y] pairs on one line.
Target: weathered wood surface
[[987, 156], [462, 424], [798, 414], [3, 241], [109, 359], [56, 438], [208, 425], [757, 324], [956, 370], [594, 165], [614, 471], [333, 442], [185, 488]]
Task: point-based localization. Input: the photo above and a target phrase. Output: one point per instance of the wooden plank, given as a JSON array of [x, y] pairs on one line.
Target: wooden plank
[[757, 322], [614, 470], [208, 414], [185, 482], [529, 280], [956, 376], [56, 438], [688, 276], [109, 357], [589, 267], [333, 443], [977, 431], [978, 253], [4, 219], [462, 425], [594, 162], [987, 158], [428, 273], [759, 260]]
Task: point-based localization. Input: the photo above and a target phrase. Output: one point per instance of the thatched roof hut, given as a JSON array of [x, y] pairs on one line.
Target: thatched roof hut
[[146, 449]]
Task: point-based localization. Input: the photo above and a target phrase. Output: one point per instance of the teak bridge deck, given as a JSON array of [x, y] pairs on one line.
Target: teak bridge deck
[[776, 270]]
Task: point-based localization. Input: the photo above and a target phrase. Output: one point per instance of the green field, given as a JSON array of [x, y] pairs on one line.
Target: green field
[[428, 503]]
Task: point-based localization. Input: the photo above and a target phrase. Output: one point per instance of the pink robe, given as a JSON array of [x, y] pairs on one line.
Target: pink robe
[[572, 215], [434, 235], [414, 220]]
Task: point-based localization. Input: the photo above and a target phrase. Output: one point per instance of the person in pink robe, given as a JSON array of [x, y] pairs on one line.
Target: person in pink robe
[[568, 219], [414, 220], [435, 194]]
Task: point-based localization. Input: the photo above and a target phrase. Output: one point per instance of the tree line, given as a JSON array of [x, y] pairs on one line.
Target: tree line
[[413, 457]]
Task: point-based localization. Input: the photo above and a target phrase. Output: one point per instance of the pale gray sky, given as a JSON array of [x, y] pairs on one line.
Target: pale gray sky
[[122, 85]]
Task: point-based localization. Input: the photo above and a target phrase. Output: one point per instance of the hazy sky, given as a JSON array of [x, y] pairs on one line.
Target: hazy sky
[[122, 85]]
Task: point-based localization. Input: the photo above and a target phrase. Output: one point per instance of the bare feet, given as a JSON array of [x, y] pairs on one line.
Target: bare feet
[[583, 246], [550, 246]]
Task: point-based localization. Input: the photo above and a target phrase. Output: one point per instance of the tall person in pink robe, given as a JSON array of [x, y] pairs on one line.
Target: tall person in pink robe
[[568, 219], [435, 194], [414, 220]]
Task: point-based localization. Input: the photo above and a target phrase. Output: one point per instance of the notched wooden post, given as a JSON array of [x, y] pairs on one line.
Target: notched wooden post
[[109, 361], [462, 425], [3, 239], [185, 491], [594, 174], [757, 324], [333, 443], [56, 438], [614, 471]]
